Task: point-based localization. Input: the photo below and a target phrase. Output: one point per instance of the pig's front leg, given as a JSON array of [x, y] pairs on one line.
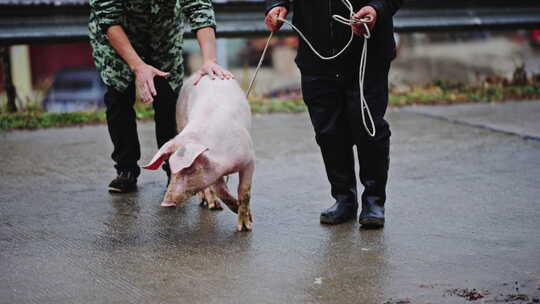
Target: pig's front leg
[[210, 200], [244, 196]]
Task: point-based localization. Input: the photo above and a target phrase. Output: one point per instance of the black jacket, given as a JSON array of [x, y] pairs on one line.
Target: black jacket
[[314, 19]]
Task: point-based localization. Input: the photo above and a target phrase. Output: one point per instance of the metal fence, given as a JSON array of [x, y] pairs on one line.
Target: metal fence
[[49, 21], [36, 21]]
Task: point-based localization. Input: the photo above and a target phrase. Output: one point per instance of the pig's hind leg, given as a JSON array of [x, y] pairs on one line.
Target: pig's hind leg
[[244, 196], [225, 196], [210, 199]]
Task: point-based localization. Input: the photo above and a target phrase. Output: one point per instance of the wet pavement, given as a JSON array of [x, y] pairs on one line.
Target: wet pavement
[[521, 119], [463, 212]]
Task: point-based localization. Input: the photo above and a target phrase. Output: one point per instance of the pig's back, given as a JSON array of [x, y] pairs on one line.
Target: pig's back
[[217, 113], [216, 101]]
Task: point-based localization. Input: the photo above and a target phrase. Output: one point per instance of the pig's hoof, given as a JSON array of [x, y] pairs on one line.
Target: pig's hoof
[[211, 206], [215, 206], [244, 221], [168, 204], [245, 227]]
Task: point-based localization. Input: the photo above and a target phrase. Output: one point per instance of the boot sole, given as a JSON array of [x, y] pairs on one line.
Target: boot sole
[[118, 190], [327, 221], [371, 223]]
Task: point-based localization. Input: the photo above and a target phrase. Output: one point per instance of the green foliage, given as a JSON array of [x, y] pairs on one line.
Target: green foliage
[[33, 120], [438, 93], [447, 86], [273, 105], [144, 112], [448, 93]]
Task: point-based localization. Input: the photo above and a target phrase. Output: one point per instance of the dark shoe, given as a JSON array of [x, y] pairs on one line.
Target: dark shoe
[[125, 182], [340, 212], [372, 215]]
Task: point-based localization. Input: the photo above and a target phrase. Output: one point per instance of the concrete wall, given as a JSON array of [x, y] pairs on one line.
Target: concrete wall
[[21, 72]]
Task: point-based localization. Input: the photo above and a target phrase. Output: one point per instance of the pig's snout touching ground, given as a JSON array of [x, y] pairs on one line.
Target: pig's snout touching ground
[[165, 204], [185, 159], [177, 192]]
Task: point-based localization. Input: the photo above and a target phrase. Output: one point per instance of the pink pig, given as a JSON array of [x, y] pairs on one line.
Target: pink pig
[[213, 119]]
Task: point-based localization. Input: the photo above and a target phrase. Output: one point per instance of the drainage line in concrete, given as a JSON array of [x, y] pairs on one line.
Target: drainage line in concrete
[[478, 126]]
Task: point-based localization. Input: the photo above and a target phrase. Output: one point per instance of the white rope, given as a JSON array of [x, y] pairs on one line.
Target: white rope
[[363, 58], [259, 64]]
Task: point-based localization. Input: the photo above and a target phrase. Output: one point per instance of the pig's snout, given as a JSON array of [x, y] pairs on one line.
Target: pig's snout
[[167, 204]]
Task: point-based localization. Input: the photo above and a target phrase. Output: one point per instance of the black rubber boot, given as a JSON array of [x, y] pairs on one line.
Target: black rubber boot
[[372, 215], [342, 211], [374, 162], [339, 164]]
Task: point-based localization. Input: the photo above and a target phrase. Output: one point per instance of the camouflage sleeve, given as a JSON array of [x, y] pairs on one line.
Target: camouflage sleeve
[[107, 12], [199, 13]]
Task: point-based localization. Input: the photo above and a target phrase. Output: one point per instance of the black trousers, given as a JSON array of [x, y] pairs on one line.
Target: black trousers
[[334, 107], [121, 120]]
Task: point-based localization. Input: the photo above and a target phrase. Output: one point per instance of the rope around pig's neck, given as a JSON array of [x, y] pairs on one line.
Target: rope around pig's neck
[[363, 59]]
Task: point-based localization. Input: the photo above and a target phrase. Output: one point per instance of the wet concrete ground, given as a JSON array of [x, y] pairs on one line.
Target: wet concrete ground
[[510, 117], [463, 212]]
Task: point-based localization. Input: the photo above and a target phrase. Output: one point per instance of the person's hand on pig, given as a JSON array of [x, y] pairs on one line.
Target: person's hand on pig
[[213, 70]]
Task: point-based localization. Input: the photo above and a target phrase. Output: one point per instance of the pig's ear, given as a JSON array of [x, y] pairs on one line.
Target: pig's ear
[[162, 155], [185, 156]]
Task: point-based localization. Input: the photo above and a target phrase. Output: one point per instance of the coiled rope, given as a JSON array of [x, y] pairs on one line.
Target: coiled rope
[[363, 58]]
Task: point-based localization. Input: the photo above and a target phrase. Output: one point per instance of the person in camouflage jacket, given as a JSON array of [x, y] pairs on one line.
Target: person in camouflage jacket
[[137, 46]]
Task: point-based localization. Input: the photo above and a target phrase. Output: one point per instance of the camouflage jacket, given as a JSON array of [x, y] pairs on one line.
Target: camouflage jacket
[[155, 29]]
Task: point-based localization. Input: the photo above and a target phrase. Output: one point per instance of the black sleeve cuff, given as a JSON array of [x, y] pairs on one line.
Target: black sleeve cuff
[[386, 7], [378, 6], [270, 4]]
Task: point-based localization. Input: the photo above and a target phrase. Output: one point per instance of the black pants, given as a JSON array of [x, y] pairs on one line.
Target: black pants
[[121, 120], [334, 106]]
